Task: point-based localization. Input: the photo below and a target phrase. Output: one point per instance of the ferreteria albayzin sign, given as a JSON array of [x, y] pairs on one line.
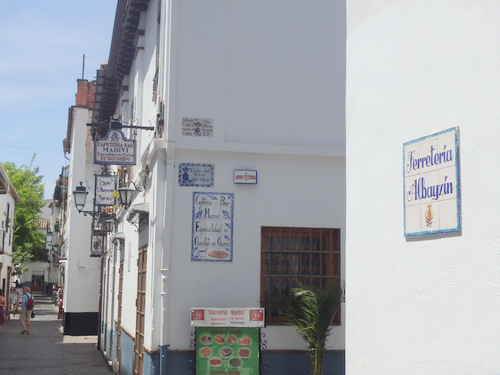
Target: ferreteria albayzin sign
[[115, 149], [431, 184]]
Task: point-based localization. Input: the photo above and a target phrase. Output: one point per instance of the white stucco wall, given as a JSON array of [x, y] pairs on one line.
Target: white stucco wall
[[82, 272], [271, 77], [263, 71], [426, 305], [6, 200], [295, 191]]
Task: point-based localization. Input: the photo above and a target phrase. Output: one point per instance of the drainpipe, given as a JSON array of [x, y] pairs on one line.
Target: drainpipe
[[167, 156], [163, 215], [165, 259]]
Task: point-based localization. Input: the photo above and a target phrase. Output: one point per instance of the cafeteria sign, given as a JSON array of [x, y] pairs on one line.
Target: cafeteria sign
[[104, 188], [212, 234], [223, 317], [431, 184], [114, 149]]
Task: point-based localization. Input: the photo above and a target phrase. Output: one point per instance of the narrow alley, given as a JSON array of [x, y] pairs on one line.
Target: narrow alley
[[46, 350]]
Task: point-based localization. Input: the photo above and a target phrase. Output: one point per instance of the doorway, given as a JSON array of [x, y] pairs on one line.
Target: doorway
[[37, 283], [141, 307]]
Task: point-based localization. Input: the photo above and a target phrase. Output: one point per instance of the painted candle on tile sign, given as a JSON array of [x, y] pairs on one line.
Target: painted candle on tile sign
[[431, 184], [212, 232]]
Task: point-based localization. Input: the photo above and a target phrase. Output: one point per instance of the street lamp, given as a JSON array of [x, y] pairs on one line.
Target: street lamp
[[50, 237], [80, 196], [126, 193], [125, 196], [109, 225]]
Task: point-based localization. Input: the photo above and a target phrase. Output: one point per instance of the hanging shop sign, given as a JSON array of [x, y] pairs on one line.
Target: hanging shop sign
[[212, 230], [115, 149], [431, 184], [227, 317], [104, 188], [245, 177], [191, 174], [197, 127]]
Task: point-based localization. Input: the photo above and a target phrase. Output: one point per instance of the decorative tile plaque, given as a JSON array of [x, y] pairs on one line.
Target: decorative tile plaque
[[197, 127], [192, 174], [431, 184]]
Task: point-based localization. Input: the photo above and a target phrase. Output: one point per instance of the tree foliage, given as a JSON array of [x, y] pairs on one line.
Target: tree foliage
[[29, 187], [311, 310]]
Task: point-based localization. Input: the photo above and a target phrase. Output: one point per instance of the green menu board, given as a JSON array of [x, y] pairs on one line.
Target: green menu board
[[227, 350]]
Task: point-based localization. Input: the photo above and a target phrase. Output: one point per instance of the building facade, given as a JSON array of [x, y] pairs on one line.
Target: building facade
[[425, 303], [8, 200], [237, 112], [81, 271]]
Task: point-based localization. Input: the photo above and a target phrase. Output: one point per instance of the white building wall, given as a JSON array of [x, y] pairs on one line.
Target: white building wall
[[265, 72], [6, 200], [129, 293], [292, 190], [271, 77], [82, 272], [426, 305]]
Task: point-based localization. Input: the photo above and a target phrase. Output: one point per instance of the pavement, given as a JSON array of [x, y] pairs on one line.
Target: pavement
[[46, 351]]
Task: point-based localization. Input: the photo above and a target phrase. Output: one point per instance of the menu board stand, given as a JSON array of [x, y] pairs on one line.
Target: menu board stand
[[225, 349]]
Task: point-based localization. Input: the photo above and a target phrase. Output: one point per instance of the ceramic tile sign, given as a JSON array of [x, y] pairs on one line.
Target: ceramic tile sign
[[104, 188], [431, 184], [191, 174], [228, 351], [115, 149], [197, 127], [212, 231]]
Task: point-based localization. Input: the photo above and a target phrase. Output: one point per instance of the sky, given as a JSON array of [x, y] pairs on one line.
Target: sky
[[42, 44]]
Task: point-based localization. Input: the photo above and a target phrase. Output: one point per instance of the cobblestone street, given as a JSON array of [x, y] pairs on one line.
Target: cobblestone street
[[46, 351]]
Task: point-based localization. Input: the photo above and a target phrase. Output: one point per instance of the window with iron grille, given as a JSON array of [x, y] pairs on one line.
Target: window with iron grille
[[290, 255]]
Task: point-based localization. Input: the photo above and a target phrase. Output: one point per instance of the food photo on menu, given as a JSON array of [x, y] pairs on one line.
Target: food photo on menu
[[227, 351]]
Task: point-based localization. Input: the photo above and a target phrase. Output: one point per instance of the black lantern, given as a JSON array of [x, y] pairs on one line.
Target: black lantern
[[80, 196], [125, 196], [109, 225], [126, 193], [50, 237]]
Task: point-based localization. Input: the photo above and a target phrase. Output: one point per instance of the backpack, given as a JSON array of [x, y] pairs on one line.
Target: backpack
[[31, 303]]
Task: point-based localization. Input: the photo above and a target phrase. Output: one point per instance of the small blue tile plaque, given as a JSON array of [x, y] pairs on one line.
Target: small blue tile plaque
[[191, 174]]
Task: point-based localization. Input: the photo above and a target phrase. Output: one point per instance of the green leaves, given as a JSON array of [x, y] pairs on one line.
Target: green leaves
[[311, 310], [29, 187]]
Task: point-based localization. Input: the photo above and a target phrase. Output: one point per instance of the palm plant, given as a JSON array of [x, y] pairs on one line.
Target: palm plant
[[311, 310]]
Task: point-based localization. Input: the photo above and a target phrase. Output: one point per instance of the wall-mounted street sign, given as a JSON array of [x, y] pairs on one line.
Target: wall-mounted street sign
[[198, 127], [245, 177], [431, 184], [114, 149], [104, 188], [193, 174]]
